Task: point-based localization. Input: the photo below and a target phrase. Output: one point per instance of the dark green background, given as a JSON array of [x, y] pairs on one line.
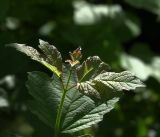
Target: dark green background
[[134, 29]]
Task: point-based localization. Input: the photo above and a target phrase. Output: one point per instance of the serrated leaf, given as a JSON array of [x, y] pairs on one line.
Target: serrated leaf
[[79, 111], [90, 68], [46, 93], [57, 100], [53, 55], [119, 81], [94, 116], [88, 89], [35, 55], [97, 91], [29, 51]]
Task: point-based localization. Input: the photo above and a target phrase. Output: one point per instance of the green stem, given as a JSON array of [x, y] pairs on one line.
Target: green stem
[[59, 113], [68, 78]]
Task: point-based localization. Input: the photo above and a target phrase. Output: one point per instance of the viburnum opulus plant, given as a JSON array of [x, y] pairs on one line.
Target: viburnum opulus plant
[[78, 94]]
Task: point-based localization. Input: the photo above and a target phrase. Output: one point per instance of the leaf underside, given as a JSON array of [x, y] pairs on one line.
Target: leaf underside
[[112, 82]]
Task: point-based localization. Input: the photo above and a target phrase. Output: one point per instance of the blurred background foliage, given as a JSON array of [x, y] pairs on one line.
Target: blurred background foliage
[[124, 33]]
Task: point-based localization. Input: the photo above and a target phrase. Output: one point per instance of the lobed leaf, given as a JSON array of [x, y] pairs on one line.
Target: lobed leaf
[[93, 77], [97, 91], [46, 93], [91, 68], [53, 55], [79, 111], [88, 89], [29, 51], [50, 59], [94, 116], [119, 81]]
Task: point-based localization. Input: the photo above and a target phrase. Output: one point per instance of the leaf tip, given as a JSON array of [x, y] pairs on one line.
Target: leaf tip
[[42, 42], [14, 45]]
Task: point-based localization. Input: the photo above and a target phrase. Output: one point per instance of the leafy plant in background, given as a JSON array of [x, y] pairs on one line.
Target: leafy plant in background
[[79, 94]]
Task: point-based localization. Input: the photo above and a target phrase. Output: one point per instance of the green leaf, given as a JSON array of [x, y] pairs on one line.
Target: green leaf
[[88, 89], [29, 51], [46, 93], [94, 116], [119, 81], [97, 91], [57, 100], [53, 55], [79, 111], [91, 67], [52, 68], [95, 72], [42, 58]]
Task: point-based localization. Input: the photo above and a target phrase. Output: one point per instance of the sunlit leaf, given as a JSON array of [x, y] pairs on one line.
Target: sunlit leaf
[[46, 60], [53, 55], [88, 89], [105, 84], [91, 67], [29, 51], [93, 73], [75, 97], [119, 81]]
